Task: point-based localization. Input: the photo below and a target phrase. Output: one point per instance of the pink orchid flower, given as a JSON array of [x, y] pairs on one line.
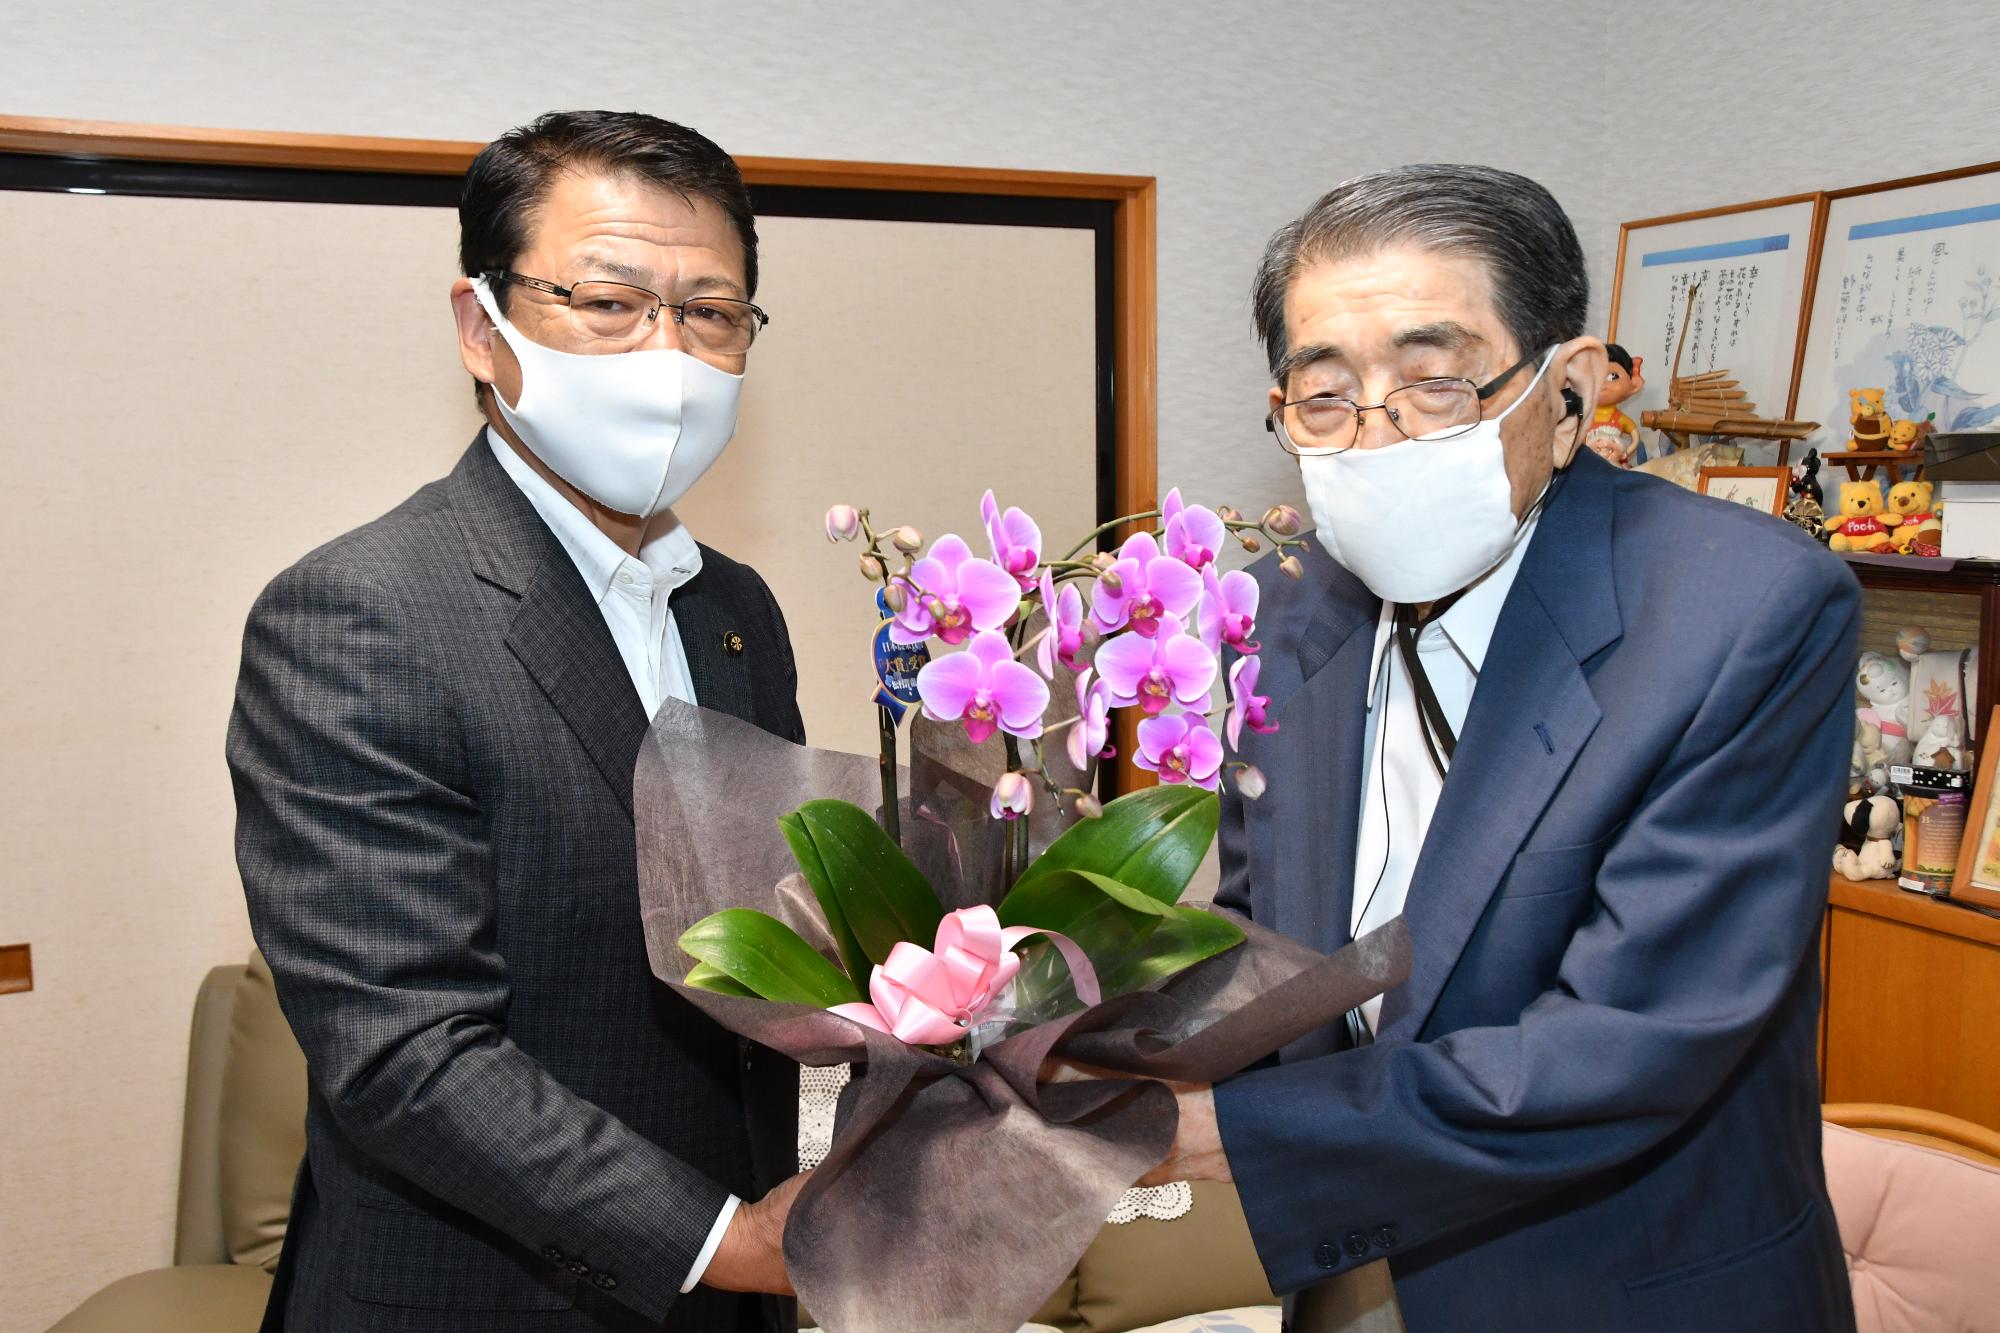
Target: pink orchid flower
[[933, 997], [1228, 610], [1246, 708], [1063, 640], [1148, 586], [1090, 735], [1180, 748], [1171, 667], [1013, 797], [1017, 542], [1194, 533], [986, 688], [957, 595]]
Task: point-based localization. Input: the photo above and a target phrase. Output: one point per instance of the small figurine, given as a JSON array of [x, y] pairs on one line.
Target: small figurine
[[1806, 510], [1860, 527], [1612, 435], [1869, 419], [1883, 720]]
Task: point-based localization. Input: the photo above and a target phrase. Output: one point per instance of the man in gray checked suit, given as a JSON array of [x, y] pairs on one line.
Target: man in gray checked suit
[[512, 1125]]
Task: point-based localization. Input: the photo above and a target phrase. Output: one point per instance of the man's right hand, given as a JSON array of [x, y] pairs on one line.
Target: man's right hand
[[751, 1256]]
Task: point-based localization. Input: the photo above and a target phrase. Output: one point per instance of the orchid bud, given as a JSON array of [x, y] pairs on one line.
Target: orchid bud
[[1088, 807], [1250, 782], [1110, 582], [1228, 513], [908, 540], [871, 567], [843, 523], [1291, 568], [1102, 561], [895, 598], [1250, 542], [1013, 796], [1283, 520]]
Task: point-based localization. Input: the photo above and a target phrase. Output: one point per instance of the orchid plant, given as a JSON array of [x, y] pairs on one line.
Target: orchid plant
[[1146, 626]]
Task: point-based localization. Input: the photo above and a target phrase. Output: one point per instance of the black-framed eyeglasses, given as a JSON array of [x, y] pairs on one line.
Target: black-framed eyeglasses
[[618, 312], [1328, 423]]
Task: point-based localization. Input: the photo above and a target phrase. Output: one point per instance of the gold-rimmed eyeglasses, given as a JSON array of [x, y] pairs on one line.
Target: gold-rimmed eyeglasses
[[1438, 409], [618, 312]]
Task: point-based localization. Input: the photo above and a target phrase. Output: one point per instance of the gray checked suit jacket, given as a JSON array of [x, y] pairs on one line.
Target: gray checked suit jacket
[[512, 1125]]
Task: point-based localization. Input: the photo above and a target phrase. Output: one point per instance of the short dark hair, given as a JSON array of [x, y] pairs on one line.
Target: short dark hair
[[1513, 225], [1619, 357], [511, 176]]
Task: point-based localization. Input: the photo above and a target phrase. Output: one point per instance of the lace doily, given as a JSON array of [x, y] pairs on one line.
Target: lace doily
[[819, 1092]]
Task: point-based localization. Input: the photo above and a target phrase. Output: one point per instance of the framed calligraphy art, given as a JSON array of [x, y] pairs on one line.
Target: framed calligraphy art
[[1907, 300], [1750, 267]]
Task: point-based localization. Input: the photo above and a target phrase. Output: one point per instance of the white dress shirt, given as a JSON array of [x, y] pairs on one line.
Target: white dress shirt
[[1402, 788], [632, 594]]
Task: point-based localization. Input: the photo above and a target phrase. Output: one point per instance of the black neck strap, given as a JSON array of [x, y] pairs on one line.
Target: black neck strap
[[1439, 739]]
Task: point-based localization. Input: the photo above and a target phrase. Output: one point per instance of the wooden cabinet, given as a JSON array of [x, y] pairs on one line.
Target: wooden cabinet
[[1912, 1013]]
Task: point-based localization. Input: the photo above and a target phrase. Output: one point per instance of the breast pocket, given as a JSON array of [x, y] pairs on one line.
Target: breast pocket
[[1553, 872]]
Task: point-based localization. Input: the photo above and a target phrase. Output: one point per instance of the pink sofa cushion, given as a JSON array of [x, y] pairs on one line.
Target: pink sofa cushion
[[1918, 1226]]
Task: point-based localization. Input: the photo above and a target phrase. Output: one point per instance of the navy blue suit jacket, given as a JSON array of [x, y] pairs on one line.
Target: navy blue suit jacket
[[1594, 1104]]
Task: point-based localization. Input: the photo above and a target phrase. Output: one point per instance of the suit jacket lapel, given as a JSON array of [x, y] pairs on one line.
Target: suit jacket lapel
[[1531, 714], [557, 633], [718, 644]]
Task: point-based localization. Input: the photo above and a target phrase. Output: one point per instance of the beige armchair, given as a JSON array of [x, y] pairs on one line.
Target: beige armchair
[[242, 1135]]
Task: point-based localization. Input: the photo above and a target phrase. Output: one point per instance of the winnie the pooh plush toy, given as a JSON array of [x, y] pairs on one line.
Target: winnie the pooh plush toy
[[1859, 526], [1913, 523], [1869, 418]]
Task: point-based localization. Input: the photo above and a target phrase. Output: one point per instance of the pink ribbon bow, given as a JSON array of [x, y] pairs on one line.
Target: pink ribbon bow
[[933, 997]]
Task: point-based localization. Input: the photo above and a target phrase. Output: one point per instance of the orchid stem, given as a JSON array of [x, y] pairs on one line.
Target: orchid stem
[[1091, 537]]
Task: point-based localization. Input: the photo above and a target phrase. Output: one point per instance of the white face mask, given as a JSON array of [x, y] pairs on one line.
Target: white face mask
[[634, 431], [1422, 518]]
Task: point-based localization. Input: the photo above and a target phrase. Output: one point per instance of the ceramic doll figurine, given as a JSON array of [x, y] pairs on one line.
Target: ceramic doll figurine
[[1614, 436]]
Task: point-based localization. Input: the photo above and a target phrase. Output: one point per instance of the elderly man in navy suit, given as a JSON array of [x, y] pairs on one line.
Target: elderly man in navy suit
[[1586, 732]]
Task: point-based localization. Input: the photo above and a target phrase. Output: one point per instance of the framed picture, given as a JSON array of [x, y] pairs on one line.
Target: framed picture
[[1977, 878], [1752, 265], [1907, 300], [1762, 488]]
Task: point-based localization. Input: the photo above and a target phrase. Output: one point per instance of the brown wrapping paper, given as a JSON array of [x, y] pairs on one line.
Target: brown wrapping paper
[[954, 1198]]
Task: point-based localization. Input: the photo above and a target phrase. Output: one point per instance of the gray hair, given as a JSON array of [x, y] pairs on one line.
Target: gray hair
[[1510, 223]]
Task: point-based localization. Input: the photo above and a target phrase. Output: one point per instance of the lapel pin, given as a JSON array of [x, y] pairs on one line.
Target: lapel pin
[[732, 643]]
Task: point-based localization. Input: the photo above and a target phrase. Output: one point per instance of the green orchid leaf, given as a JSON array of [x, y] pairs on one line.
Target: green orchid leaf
[[1131, 938], [1151, 840], [813, 867], [703, 977], [765, 957], [881, 898]]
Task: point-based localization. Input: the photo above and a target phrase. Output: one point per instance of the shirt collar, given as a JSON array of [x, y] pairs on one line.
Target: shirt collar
[[1468, 622], [668, 552]]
